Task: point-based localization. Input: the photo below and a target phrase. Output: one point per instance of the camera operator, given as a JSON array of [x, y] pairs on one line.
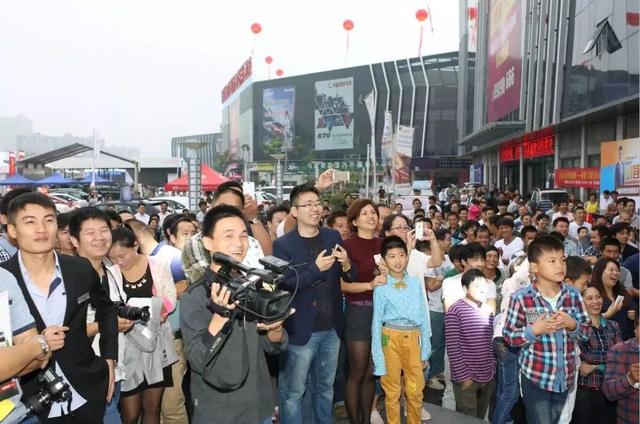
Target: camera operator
[[90, 231], [229, 375], [58, 289]]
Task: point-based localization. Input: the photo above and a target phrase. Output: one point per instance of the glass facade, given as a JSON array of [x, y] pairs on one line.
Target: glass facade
[[594, 79]]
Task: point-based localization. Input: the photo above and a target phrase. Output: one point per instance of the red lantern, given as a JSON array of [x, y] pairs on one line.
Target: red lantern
[[422, 15], [473, 13], [256, 28], [268, 59], [279, 72], [347, 25]]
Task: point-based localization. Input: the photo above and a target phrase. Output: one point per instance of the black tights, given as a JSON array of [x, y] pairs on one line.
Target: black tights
[[146, 403], [360, 382]]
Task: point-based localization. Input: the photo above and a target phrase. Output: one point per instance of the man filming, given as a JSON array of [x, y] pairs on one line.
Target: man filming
[[229, 374]]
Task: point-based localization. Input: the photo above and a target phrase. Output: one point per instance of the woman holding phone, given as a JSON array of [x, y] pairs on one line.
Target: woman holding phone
[[615, 301]]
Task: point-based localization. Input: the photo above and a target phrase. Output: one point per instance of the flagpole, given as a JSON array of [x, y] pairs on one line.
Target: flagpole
[[367, 167], [93, 167]]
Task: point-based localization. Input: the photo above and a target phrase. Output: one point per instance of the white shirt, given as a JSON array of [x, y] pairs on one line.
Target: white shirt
[[162, 217], [508, 250], [200, 216], [452, 290], [567, 215], [635, 221], [435, 297], [144, 218], [573, 228]]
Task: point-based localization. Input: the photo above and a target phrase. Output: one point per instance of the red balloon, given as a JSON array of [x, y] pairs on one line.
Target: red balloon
[[256, 28], [473, 13], [268, 59], [422, 15], [347, 24], [279, 72]]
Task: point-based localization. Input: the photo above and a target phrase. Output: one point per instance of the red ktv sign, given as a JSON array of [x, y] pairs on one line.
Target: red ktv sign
[[243, 74]]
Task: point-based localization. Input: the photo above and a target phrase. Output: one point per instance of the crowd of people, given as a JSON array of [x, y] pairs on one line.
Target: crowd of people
[[513, 314]]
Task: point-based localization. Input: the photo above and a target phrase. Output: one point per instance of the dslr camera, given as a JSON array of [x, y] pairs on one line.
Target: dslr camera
[[53, 389], [132, 313], [256, 290]]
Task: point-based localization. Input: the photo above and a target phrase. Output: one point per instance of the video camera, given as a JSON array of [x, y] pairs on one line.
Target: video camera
[[256, 290], [132, 313]]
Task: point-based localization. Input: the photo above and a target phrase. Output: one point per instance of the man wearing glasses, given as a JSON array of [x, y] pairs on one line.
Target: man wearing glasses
[[316, 328]]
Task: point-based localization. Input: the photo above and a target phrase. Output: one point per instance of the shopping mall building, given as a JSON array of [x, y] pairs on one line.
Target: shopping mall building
[[543, 84]]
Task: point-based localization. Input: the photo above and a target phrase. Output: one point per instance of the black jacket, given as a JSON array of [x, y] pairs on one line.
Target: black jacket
[[86, 372]]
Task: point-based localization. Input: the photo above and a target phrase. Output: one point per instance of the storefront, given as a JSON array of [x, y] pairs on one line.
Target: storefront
[[537, 165]]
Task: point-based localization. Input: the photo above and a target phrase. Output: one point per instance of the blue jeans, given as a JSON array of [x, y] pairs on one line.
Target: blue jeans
[[319, 359], [508, 388], [436, 360], [541, 406], [111, 414]]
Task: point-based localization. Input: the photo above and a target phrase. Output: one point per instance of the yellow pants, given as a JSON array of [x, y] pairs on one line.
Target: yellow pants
[[402, 355]]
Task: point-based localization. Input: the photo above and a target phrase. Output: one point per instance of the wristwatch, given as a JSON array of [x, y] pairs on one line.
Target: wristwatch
[[254, 221], [44, 345]]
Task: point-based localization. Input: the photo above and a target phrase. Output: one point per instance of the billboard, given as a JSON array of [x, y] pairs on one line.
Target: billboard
[[333, 114], [504, 58], [386, 149], [577, 177], [404, 147], [240, 77], [277, 120], [620, 168]]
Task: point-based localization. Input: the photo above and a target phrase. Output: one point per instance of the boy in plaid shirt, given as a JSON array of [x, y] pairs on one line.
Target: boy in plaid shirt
[[546, 320]]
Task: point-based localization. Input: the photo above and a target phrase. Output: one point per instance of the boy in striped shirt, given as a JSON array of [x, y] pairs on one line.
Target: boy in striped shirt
[[546, 320]]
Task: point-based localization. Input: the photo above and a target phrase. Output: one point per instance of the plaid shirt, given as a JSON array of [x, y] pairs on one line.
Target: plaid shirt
[[4, 255], [594, 351], [592, 251], [616, 386], [548, 360]]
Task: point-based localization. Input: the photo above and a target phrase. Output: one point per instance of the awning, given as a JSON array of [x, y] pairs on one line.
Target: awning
[[210, 181], [493, 134], [16, 180]]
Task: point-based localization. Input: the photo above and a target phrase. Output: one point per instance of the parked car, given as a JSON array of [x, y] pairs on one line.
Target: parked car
[[544, 199], [131, 206], [78, 202], [174, 203], [286, 191], [265, 199], [75, 192], [62, 206]]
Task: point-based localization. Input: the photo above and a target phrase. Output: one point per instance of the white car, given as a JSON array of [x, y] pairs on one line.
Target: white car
[[62, 206], [76, 202], [175, 203]]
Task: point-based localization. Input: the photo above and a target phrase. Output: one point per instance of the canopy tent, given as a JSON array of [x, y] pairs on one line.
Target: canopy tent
[[16, 180], [98, 180], [55, 179], [210, 181]]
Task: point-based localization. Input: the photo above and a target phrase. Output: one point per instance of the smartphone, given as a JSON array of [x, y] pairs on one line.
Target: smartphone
[[249, 188], [618, 300], [419, 230], [377, 258], [339, 176]]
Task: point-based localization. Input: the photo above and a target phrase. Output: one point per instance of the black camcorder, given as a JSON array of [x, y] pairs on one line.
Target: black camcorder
[[256, 290], [132, 313], [53, 389]]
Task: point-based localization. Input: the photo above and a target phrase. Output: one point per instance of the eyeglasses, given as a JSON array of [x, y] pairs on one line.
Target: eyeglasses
[[309, 206], [404, 228]]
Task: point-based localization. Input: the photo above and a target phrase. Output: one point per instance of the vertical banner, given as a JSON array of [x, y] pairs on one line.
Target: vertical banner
[[334, 114], [370, 103], [620, 168], [386, 150], [504, 58], [277, 120], [403, 151], [12, 163]]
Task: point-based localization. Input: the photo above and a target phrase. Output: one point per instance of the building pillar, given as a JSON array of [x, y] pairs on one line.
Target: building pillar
[[498, 182], [556, 159], [583, 156], [521, 173], [620, 127]]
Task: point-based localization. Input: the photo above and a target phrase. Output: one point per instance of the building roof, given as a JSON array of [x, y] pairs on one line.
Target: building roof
[[110, 162], [66, 152]]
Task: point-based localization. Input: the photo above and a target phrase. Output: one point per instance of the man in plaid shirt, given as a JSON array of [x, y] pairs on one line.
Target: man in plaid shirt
[[622, 378], [546, 320]]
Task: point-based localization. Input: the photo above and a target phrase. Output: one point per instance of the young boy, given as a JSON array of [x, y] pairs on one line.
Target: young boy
[[400, 333], [546, 320]]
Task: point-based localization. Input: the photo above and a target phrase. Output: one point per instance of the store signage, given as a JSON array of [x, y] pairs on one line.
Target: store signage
[[243, 74], [577, 177], [535, 148]]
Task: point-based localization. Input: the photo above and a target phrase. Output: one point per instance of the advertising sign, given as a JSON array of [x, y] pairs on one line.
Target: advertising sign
[[277, 120], [404, 147], [620, 168], [386, 148], [334, 114], [577, 177], [504, 58], [242, 75]]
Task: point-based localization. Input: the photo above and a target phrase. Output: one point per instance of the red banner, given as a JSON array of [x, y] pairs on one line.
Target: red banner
[[243, 74], [577, 177], [12, 163], [535, 148]]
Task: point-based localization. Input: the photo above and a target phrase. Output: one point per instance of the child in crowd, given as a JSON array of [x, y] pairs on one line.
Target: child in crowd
[[400, 333], [546, 320], [468, 336]]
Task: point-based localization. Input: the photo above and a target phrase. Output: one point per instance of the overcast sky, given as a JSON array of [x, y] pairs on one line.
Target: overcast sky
[[143, 71]]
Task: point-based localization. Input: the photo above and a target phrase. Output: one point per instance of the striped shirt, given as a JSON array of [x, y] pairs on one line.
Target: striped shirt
[[468, 338], [548, 360]]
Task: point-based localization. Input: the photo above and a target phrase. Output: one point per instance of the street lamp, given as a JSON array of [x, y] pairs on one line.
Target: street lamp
[[278, 157]]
